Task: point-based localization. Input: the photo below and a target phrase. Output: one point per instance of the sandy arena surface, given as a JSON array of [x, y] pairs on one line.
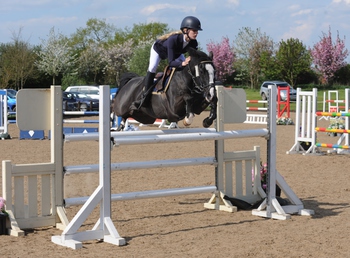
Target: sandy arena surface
[[181, 226]]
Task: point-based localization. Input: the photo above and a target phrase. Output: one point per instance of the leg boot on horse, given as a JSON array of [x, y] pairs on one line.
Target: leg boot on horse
[[146, 94]]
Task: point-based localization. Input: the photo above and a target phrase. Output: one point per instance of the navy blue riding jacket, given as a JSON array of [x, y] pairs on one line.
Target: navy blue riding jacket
[[172, 48]]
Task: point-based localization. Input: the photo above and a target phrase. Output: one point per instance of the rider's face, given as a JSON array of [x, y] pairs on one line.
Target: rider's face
[[192, 34]]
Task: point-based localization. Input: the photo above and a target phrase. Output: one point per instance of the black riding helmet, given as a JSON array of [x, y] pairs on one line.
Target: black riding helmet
[[191, 22]]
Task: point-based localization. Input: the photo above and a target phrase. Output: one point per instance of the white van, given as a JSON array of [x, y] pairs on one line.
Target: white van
[[91, 91]]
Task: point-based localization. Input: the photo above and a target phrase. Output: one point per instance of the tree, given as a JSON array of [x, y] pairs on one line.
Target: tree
[[143, 36], [98, 46], [223, 58], [16, 62], [249, 46], [139, 60], [115, 59], [342, 76], [141, 33], [329, 57], [86, 43], [90, 61], [268, 67], [292, 58], [96, 32], [55, 56]]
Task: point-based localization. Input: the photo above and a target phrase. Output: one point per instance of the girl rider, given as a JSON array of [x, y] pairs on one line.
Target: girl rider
[[171, 46]]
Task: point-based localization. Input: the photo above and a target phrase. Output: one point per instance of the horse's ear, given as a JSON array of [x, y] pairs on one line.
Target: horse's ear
[[211, 55]]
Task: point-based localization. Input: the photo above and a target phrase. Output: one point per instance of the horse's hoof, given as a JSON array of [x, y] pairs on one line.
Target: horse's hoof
[[188, 120], [207, 122], [120, 128]]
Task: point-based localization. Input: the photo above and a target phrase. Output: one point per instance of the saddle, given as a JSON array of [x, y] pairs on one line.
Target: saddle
[[162, 79]]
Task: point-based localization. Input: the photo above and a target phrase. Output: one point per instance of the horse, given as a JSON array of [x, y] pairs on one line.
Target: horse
[[190, 91]]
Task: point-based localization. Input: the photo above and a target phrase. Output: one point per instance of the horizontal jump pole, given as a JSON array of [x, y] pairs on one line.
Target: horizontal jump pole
[[81, 113], [334, 146], [183, 137], [256, 108], [335, 101], [71, 121], [333, 130], [162, 131], [332, 114], [256, 101], [68, 170], [94, 135], [145, 194]]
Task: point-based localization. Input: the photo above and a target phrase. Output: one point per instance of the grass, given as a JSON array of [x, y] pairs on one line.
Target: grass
[[254, 95]]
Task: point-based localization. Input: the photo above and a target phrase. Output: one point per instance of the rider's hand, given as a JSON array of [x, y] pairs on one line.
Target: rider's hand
[[187, 60]]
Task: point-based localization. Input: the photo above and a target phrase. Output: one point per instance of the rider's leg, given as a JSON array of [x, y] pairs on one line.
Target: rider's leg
[[147, 91], [151, 72]]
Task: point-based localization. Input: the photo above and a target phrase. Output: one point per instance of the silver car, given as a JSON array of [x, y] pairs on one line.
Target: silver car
[[283, 93]]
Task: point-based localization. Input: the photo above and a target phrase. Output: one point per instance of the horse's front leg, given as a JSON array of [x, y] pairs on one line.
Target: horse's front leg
[[189, 112], [212, 116]]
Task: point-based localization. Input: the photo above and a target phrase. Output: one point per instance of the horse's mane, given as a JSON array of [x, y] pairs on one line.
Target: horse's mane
[[198, 55], [126, 77]]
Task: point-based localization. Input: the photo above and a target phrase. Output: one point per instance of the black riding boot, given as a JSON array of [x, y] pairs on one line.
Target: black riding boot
[[147, 91]]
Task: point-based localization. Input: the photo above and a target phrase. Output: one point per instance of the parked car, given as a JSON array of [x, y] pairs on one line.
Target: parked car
[[283, 93], [11, 100], [82, 98], [69, 104], [11, 103], [91, 91], [80, 101], [12, 93]]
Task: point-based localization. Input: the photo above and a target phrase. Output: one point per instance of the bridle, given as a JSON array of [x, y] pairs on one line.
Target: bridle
[[200, 87]]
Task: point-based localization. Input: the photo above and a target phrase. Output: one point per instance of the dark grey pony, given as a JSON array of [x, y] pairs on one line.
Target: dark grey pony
[[190, 91]]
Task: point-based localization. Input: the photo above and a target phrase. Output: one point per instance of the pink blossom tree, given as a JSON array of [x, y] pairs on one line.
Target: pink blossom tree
[[328, 57], [223, 58]]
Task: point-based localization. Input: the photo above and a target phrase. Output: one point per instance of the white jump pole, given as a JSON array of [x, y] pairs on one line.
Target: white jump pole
[[147, 194], [3, 114], [182, 137], [68, 170], [93, 136]]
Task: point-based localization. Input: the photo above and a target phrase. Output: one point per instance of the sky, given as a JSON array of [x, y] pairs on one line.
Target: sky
[[305, 20]]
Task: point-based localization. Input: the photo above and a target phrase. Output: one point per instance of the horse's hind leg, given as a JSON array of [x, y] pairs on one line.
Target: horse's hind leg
[[115, 124], [121, 126]]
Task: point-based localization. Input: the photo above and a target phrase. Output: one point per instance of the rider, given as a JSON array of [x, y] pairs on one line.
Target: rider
[[171, 46]]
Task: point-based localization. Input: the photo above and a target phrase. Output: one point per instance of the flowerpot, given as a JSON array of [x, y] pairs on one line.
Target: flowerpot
[[3, 230]]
